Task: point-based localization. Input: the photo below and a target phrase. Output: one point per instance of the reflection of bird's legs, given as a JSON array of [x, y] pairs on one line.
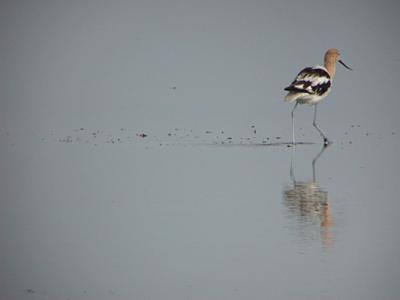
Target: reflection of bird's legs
[[326, 213], [315, 161], [292, 166]]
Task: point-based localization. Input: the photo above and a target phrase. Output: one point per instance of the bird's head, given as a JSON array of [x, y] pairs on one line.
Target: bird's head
[[333, 56]]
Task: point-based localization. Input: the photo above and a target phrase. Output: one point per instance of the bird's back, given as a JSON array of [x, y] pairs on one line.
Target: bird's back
[[310, 85]]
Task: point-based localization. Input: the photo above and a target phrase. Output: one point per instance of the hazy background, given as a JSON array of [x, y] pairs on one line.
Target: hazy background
[[91, 210], [111, 64]]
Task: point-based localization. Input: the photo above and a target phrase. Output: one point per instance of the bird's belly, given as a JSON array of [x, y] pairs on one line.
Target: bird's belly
[[311, 99]]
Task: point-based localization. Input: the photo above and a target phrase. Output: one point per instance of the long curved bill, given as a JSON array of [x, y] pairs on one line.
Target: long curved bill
[[347, 67]]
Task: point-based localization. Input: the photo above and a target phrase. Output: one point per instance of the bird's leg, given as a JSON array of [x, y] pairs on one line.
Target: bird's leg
[[326, 141], [293, 140]]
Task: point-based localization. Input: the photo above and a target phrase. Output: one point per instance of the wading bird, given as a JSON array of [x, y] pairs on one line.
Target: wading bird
[[312, 85]]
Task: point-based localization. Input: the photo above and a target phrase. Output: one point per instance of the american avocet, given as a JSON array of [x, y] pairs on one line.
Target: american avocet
[[312, 85]]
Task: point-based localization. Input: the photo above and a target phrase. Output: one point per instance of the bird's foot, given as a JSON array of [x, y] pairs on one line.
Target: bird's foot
[[327, 142]]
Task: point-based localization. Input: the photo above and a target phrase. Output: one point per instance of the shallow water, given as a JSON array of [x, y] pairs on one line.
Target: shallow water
[[144, 151], [172, 218]]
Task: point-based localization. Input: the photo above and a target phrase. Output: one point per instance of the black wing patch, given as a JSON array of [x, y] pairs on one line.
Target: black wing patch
[[322, 88], [316, 71], [313, 81]]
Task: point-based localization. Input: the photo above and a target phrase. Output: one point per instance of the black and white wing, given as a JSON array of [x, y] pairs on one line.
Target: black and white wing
[[311, 80]]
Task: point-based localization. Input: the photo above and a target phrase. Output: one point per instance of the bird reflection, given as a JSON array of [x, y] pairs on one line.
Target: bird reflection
[[308, 205]]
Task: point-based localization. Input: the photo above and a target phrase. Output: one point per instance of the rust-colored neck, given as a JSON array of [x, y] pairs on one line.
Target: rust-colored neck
[[330, 65]]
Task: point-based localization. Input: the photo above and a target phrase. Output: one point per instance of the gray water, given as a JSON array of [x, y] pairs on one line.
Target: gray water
[[144, 155]]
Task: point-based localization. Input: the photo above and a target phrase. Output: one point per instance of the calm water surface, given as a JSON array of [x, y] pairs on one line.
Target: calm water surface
[[172, 218], [143, 155]]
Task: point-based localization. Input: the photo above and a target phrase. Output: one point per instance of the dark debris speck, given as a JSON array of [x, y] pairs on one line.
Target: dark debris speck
[[67, 139]]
